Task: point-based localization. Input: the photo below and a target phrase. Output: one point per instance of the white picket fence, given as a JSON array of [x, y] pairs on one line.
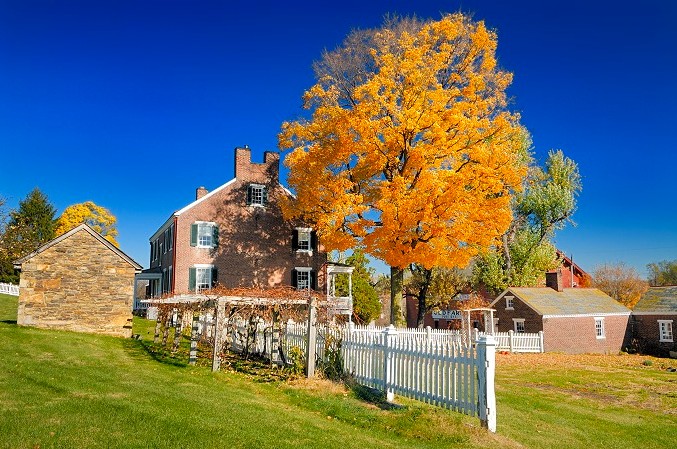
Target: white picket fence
[[430, 365], [519, 342], [9, 289]]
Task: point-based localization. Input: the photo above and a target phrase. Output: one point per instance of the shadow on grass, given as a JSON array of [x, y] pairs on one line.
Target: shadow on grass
[[8, 321], [142, 350], [371, 395]]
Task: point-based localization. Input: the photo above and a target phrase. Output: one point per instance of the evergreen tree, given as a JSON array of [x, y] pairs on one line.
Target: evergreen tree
[[29, 227]]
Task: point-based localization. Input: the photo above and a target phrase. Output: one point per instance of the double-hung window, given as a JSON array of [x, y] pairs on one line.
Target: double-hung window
[[204, 234], [303, 278], [304, 240], [665, 331], [257, 195], [201, 277], [519, 325], [599, 327]]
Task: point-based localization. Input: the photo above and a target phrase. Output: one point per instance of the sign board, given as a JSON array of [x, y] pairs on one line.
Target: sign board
[[340, 306], [447, 315]]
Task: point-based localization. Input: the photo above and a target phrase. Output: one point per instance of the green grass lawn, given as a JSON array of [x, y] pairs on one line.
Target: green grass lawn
[[63, 389]]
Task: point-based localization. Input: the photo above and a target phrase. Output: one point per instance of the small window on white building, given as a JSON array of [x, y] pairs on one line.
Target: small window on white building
[[509, 302], [518, 324], [257, 195], [599, 327], [665, 331]]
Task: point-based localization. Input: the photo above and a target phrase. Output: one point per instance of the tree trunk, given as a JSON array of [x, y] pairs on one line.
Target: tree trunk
[[422, 296], [396, 281]]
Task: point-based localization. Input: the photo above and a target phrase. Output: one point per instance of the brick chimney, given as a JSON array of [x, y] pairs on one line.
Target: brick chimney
[[246, 170], [200, 192], [553, 279]]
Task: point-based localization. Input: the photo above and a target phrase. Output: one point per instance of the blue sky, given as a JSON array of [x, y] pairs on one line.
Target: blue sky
[[134, 104]]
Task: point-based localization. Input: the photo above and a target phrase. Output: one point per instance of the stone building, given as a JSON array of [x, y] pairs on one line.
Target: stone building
[[80, 282], [235, 236]]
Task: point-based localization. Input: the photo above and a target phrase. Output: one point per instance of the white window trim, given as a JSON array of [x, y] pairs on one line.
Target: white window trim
[[599, 319], [303, 270], [258, 186], [515, 321], [662, 337], [310, 241], [211, 225], [209, 268], [509, 302]]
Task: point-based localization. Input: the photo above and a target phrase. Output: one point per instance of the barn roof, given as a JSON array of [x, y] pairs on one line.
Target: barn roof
[[93, 233], [569, 302], [658, 301]]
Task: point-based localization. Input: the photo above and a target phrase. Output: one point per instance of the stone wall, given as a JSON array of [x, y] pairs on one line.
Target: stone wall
[[78, 284]]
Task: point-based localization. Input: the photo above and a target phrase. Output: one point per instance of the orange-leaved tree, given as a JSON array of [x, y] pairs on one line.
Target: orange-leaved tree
[[410, 153], [96, 217]]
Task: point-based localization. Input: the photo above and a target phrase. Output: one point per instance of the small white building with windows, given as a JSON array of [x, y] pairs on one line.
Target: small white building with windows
[[573, 320], [235, 236]]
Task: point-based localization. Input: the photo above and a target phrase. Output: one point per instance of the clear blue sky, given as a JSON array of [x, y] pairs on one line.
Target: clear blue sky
[[134, 104]]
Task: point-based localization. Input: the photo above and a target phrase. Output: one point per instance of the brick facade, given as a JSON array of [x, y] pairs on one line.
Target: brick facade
[[254, 242], [533, 322], [78, 284], [566, 317], [646, 332], [576, 335]]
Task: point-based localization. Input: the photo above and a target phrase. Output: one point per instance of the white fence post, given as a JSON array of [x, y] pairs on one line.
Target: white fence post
[[511, 333], [388, 368], [486, 370], [312, 338], [540, 339]]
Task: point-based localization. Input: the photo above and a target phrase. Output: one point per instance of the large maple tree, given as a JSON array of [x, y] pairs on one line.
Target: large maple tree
[[410, 152]]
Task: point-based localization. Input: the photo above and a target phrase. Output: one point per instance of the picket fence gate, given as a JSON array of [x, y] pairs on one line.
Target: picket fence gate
[[9, 289]]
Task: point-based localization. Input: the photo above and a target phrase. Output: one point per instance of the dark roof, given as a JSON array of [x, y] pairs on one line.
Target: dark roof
[[571, 301], [658, 300], [93, 233]]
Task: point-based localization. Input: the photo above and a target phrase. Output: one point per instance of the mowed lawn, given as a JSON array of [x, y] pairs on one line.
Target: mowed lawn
[[62, 389]]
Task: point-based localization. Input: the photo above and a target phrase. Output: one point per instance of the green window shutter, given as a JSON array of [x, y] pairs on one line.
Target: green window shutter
[[193, 234], [191, 279], [215, 275], [215, 235], [249, 195]]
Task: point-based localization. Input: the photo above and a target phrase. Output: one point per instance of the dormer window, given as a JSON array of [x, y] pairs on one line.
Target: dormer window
[[257, 195]]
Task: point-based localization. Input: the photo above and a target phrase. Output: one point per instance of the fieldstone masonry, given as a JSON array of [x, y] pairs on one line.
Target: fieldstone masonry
[[78, 284]]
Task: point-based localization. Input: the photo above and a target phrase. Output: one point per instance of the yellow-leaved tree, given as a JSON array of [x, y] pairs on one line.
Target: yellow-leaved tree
[[411, 152], [96, 217]]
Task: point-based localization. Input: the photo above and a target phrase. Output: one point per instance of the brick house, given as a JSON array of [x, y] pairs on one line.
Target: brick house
[[235, 236], [653, 320], [78, 281], [573, 320]]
